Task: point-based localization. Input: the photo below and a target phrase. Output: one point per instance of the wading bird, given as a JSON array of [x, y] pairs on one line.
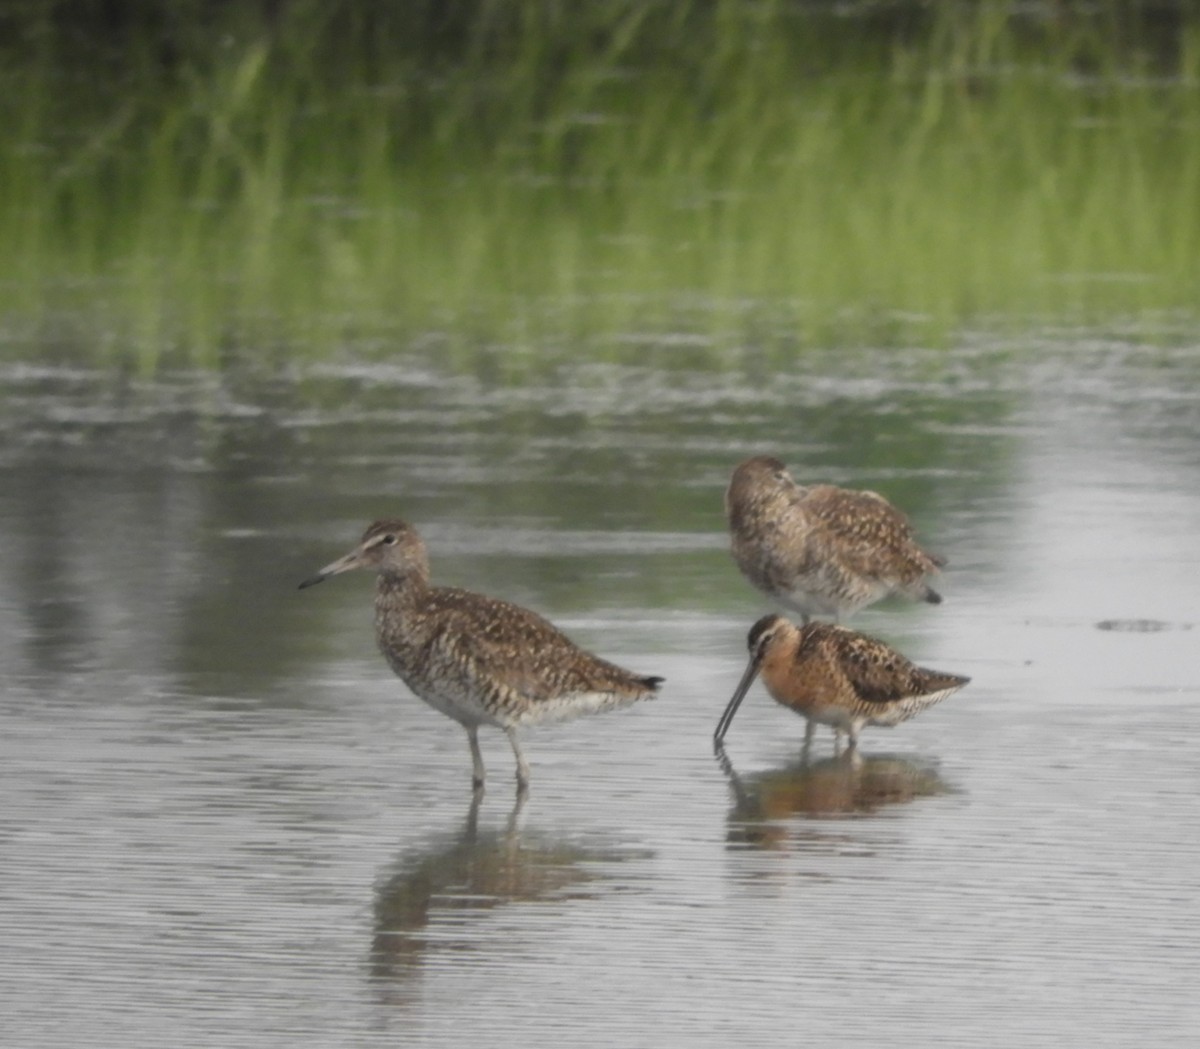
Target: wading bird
[[821, 550], [477, 659], [835, 676]]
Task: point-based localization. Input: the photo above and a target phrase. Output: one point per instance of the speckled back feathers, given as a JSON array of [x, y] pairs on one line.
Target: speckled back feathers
[[821, 549], [824, 665], [502, 663]]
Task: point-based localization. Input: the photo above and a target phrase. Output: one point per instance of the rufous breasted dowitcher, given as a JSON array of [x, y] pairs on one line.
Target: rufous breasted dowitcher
[[835, 676]]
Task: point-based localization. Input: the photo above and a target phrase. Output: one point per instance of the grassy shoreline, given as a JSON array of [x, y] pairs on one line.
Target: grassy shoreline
[[765, 178]]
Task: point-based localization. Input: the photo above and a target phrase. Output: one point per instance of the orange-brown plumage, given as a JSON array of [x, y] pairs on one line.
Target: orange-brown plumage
[[837, 677], [821, 550], [477, 659]]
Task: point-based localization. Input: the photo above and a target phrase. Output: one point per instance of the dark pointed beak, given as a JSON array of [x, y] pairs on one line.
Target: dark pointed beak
[[738, 695], [354, 559]]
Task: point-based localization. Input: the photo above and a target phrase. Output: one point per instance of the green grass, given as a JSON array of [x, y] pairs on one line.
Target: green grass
[[747, 174]]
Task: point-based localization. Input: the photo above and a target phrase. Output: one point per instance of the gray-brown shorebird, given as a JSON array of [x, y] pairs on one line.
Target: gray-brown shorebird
[[821, 550], [477, 659], [835, 676]]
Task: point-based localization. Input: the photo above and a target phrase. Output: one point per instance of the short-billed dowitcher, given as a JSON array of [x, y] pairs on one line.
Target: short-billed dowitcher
[[478, 660], [821, 550], [835, 676]]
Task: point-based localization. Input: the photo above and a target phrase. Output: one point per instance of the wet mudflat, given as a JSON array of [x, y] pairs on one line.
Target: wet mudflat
[[226, 823]]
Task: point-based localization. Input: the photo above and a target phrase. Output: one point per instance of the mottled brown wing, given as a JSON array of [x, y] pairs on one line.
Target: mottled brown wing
[[877, 672], [871, 535], [514, 648]]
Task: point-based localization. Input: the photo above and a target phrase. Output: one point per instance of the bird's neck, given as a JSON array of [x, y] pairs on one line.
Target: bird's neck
[[403, 586], [759, 515], [401, 626]]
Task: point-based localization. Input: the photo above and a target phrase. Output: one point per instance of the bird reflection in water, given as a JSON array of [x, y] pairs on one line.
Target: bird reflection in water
[[433, 898], [846, 785]]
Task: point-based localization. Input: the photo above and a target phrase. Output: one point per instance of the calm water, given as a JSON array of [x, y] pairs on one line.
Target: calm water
[[225, 823]]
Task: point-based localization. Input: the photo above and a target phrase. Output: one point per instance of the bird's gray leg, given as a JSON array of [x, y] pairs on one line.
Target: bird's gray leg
[[514, 817], [810, 732], [522, 764], [852, 732], [472, 828], [476, 757]]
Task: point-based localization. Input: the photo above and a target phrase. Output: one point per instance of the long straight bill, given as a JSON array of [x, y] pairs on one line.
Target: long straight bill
[[352, 560], [738, 695]]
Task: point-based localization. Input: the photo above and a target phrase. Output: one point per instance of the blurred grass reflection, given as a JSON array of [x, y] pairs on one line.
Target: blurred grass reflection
[[578, 182]]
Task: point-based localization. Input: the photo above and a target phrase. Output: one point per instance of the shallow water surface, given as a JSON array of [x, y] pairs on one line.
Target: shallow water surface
[[226, 823]]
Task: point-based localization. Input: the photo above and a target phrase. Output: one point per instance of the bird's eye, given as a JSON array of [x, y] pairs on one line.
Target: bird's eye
[[389, 540]]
